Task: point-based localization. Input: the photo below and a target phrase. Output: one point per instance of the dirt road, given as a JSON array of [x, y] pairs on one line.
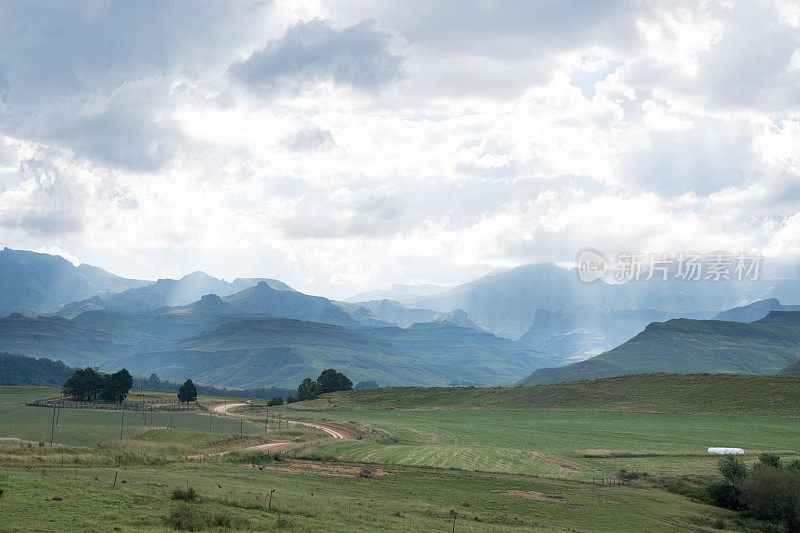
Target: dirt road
[[335, 433], [223, 409]]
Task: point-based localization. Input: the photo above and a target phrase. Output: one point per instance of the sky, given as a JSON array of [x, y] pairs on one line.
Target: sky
[[344, 146]]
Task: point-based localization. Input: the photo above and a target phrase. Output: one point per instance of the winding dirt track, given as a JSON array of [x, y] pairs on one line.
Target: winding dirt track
[[333, 432]]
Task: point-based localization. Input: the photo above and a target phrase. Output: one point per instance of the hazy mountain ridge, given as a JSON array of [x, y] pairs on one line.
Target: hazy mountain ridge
[[34, 283], [167, 292], [754, 311]]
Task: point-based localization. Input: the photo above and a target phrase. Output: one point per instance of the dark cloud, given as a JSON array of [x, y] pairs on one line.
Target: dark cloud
[[95, 76], [358, 56]]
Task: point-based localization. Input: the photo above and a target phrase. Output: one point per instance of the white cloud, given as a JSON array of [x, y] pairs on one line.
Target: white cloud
[[345, 145]]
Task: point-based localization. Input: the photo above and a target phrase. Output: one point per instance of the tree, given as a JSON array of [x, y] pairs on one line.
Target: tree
[[308, 390], [84, 385], [770, 459], [275, 402], [331, 381], [188, 392], [290, 399], [116, 386], [732, 468]]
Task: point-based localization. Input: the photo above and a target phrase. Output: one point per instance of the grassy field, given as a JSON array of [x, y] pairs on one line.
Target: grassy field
[[497, 469], [305, 500], [90, 427], [770, 396]]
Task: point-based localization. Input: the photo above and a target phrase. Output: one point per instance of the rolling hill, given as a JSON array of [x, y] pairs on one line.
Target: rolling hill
[[689, 346], [725, 394], [282, 352], [467, 354]]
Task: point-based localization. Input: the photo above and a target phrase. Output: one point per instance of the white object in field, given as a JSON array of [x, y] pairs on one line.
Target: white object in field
[[726, 451]]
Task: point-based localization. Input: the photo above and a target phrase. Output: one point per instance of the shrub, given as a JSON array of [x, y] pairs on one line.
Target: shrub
[[770, 459], [188, 495], [228, 521], [774, 495], [186, 518], [732, 468], [723, 494], [794, 465]]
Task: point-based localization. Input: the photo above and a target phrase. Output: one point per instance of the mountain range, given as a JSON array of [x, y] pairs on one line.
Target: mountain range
[[34, 283], [497, 329]]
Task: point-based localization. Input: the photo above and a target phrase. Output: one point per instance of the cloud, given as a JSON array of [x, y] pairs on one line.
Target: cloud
[[47, 203], [310, 140], [358, 56], [359, 143]]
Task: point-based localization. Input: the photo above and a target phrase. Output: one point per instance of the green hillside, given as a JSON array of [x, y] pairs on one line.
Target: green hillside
[[690, 346], [476, 356], [720, 394], [282, 352]]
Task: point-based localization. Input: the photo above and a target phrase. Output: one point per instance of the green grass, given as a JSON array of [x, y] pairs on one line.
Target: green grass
[[444, 459], [91, 427], [658, 393], [504, 440], [407, 499]]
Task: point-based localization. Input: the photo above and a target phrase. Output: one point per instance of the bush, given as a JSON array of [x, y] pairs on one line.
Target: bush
[[774, 495], [186, 518], [188, 495], [732, 468], [723, 494], [770, 459], [275, 402]]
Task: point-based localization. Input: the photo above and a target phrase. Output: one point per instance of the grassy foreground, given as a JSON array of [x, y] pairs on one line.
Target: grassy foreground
[[492, 469]]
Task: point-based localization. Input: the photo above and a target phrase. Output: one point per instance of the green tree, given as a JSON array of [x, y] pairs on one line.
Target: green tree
[[275, 402], [732, 468], [188, 392], [331, 381], [770, 459], [290, 399], [308, 390], [116, 386], [84, 385]]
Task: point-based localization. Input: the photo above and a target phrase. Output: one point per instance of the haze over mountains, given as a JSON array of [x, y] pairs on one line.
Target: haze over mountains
[[494, 330]]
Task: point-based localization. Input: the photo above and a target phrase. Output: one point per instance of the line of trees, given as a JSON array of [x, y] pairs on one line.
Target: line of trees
[[87, 384], [154, 383], [328, 381], [22, 370]]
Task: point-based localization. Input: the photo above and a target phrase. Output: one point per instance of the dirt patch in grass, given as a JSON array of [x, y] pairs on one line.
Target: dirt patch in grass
[[297, 466], [556, 462], [535, 496]]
